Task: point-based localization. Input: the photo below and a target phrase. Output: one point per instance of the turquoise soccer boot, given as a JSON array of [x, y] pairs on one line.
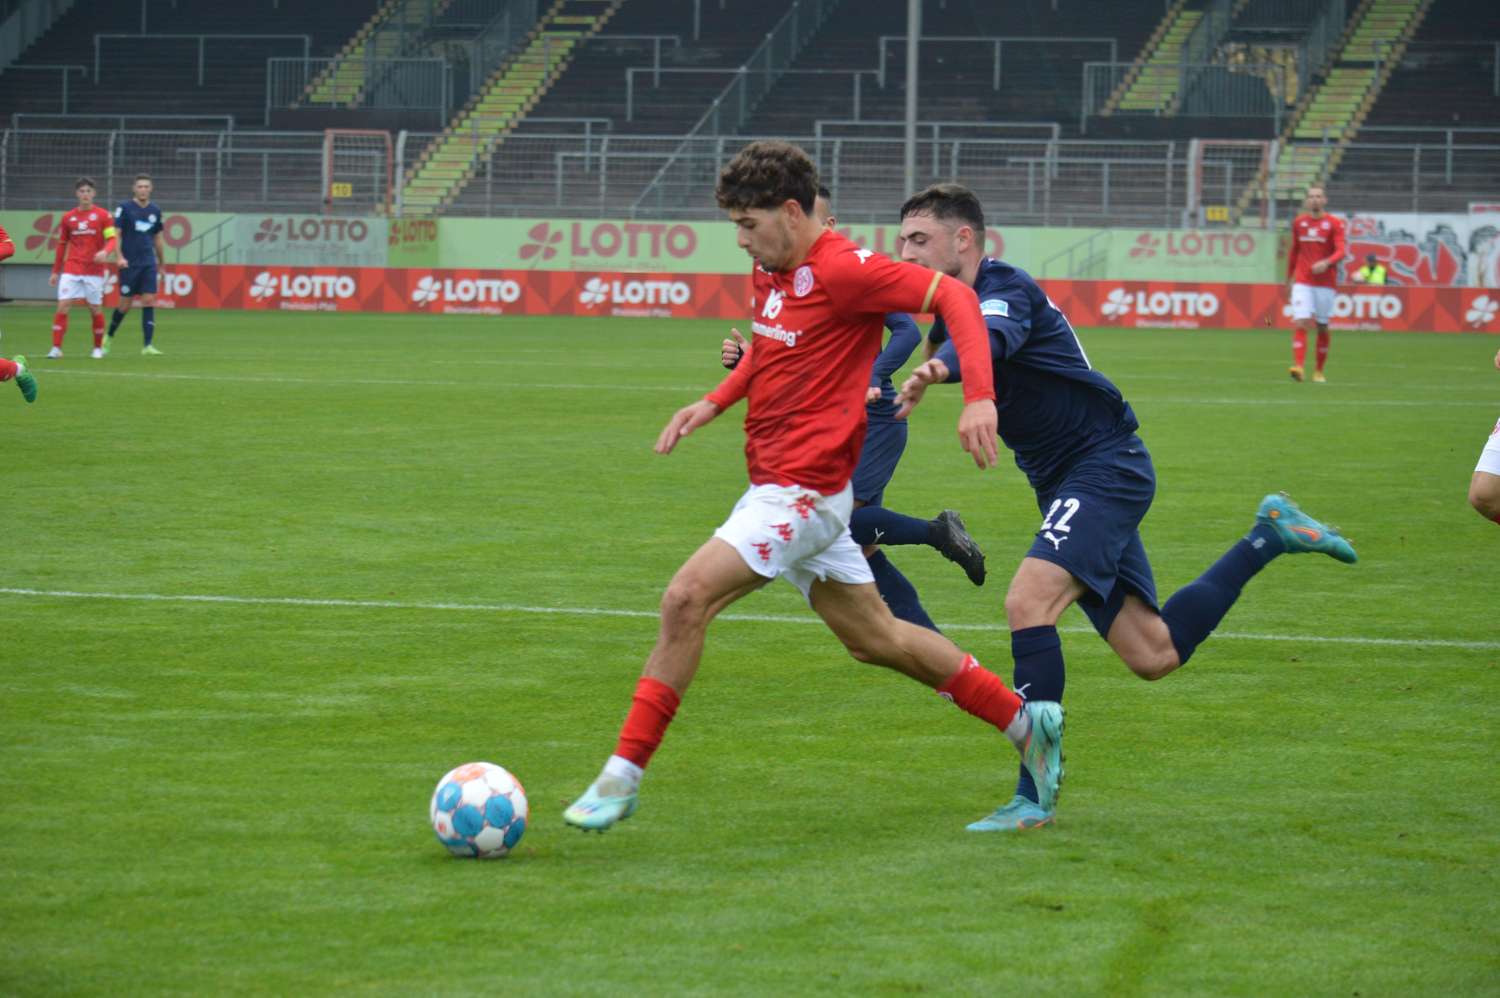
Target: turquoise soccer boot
[[605, 802], [1300, 532], [1019, 815]]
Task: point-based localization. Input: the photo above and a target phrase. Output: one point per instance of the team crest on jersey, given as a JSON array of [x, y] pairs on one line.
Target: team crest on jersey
[[802, 281]]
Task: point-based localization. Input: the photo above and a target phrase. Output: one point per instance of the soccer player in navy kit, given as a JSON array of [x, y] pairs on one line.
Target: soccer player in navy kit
[[1074, 437], [141, 250], [885, 440]]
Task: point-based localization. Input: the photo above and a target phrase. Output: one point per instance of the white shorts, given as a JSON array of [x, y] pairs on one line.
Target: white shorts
[[798, 534], [1310, 301], [71, 287], [1489, 458]]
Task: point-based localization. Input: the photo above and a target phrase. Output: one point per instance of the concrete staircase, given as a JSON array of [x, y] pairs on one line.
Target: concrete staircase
[[1151, 85], [456, 155], [1330, 114]]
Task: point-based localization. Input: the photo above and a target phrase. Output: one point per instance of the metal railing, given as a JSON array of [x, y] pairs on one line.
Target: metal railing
[[762, 69], [656, 44], [997, 42], [63, 71], [577, 168], [387, 84], [220, 122], [1247, 90], [738, 110], [202, 44]]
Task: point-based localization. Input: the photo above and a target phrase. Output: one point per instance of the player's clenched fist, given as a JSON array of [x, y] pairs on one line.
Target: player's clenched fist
[[733, 349]]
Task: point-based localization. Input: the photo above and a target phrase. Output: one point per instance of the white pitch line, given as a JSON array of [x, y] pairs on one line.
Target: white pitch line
[[589, 611], [626, 386], [614, 386]]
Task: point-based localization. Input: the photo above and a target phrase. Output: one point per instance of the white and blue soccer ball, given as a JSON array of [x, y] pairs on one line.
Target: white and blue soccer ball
[[479, 809]]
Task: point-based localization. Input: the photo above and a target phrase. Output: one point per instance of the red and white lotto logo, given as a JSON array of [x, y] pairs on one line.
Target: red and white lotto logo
[[597, 291], [175, 285], [319, 286], [1362, 306], [465, 291], [1481, 311], [1121, 302]]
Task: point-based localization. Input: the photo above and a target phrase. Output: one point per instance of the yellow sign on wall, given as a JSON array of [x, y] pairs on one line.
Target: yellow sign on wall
[[341, 189]]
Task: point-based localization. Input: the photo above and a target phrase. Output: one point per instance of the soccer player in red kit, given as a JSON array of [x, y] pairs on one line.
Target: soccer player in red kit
[[16, 369], [817, 333], [86, 238], [1312, 267]]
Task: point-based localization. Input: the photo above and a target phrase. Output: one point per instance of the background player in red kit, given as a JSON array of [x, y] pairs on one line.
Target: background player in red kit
[[86, 238], [817, 333], [1313, 267], [15, 368]]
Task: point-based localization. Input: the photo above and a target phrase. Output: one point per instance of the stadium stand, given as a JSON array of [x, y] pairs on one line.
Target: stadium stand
[[159, 74], [589, 131], [1151, 84]]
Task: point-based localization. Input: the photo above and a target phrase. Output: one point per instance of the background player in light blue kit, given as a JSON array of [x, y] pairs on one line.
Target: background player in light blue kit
[[1073, 435], [141, 251]]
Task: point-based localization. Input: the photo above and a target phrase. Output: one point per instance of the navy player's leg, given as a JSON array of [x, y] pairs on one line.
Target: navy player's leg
[[128, 291], [885, 440], [148, 305], [872, 523], [1087, 551]]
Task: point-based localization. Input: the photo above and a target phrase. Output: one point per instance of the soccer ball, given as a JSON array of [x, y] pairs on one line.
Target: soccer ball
[[479, 809]]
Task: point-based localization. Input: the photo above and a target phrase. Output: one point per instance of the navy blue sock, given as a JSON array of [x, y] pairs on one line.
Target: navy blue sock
[[115, 320], [899, 594], [148, 323], [1196, 609], [1039, 675], [878, 525]]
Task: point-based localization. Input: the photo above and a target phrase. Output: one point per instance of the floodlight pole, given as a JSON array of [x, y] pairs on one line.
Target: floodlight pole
[[913, 39]]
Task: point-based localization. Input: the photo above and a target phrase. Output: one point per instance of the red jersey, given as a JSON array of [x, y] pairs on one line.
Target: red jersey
[[1315, 239], [817, 330], [7, 248], [83, 233]]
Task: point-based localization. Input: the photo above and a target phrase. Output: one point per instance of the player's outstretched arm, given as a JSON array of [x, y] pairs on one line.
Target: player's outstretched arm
[[685, 421]]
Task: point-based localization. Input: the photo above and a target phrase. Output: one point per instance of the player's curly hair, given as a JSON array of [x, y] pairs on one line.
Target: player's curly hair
[[768, 174], [948, 203], [85, 182]]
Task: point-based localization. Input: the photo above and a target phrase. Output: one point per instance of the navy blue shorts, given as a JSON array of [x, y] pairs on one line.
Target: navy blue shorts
[[138, 281], [1090, 526], [885, 439]]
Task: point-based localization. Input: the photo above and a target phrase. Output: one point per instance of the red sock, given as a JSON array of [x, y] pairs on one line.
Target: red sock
[[982, 693], [651, 710], [1299, 346], [98, 330], [59, 327], [1322, 348], [8, 369]]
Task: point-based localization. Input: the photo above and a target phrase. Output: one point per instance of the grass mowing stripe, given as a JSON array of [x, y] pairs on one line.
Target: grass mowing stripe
[[595, 611]]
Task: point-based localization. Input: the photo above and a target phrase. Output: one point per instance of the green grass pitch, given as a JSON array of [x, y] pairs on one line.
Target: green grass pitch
[[229, 796]]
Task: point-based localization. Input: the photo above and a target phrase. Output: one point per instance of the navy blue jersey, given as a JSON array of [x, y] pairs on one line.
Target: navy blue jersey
[[904, 339], [137, 227], [1054, 407]]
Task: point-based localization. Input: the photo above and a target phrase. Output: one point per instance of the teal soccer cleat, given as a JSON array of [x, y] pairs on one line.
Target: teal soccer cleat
[[1019, 815], [1300, 532], [597, 809], [1042, 753], [25, 380]]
